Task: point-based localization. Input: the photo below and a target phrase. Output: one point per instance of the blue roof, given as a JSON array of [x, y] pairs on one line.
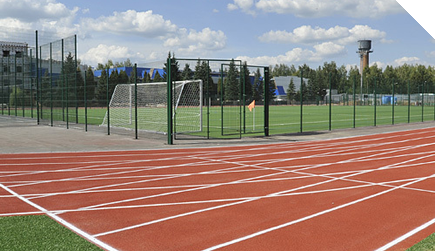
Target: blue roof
[[280, 90]]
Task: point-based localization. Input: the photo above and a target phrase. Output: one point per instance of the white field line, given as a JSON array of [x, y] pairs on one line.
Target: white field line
[[310, 216], [388, 184], [62, 221], [249, 200], [365, 184], [177, 175], [206, 187], [407, 235], [95, 164], [143, 181]]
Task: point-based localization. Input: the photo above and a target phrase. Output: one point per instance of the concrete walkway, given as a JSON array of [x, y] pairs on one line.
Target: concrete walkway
[[20, 135]]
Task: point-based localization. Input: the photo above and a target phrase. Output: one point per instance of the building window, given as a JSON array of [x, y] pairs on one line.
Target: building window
[[19, 69], [6, 54], [18, 54]]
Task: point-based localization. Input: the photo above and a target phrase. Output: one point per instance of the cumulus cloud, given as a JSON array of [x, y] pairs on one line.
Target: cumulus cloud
[[47, 15], [131, 22], [321, 8], [407, 60], [244, 5], [35, 10], [102, 53], [299, 55], [197, 41], [309, 35], [153, 26]]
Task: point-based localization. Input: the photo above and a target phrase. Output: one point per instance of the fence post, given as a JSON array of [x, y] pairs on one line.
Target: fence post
[[330, 102], [301, 89], [135, 101], [422, 103], [409, 103], [38, 103], [15, 83], [51, 84], [393, 102], [354, 101], [375, 100], [169, 100], [85, 99], [76, 80], [63, 77], [266, 100], [108, 102]]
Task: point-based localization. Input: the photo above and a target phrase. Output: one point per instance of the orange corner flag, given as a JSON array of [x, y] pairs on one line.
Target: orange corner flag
[[251, 106]]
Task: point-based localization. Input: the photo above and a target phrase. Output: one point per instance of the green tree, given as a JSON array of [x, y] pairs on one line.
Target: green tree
[[123, 77], [113, 81], [248, 85], [232, 83], [175, 68], [101, 90], [257, 88], [203, 72], [291, 91], [283, 70], [187, 73], [90, 84], [158, 78]]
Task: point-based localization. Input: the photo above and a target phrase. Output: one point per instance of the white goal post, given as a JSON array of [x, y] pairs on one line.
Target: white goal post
[[152, 106]]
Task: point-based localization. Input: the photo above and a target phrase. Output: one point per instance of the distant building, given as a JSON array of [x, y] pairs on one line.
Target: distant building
[[282, 85], [15, 64]]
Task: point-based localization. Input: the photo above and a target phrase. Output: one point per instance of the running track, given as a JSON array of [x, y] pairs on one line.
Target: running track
[[361, 193]]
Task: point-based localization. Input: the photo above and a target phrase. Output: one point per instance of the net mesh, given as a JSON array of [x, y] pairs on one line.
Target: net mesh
[[152, 107]]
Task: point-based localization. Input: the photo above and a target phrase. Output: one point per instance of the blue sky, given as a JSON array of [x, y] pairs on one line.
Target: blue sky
[[263, 32]]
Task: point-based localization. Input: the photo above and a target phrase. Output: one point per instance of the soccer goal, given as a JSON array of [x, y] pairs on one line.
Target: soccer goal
[[152, 113]]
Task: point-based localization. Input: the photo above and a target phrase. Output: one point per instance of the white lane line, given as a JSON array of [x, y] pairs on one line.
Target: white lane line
[[62, 221], [407, 235], [269, 195], [265, 231]]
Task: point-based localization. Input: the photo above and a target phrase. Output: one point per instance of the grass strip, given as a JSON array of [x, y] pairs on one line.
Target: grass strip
[[39, 232], [427, 244]]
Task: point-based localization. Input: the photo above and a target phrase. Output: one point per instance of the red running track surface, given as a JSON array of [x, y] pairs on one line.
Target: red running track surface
[[361, 193]]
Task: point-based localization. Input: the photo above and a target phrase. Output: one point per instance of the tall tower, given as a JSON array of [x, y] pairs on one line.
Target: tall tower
[[364, 50]]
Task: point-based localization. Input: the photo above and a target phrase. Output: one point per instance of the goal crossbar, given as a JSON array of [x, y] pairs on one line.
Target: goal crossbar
[[152, 106]]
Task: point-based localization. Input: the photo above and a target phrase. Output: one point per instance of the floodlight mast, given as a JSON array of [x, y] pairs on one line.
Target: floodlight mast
[[364, 49]]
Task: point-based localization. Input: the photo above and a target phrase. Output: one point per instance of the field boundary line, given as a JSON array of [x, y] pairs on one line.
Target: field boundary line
[[62, 221], [407, 235]]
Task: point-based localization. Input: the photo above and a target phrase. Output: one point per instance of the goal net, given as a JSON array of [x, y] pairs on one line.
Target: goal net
[[152, 100]]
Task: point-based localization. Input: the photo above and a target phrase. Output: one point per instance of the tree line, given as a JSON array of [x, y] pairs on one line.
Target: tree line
[[412, 78]]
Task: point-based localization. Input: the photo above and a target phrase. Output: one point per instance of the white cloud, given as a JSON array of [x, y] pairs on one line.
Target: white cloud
[[46, 15], [350, 8], [197, 41], [102, 53], [308, 35], [153, 26], [35, 10], [131, 22], [329, 49], [407, 60], [244, 5], [299, 55], [305, 35]]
